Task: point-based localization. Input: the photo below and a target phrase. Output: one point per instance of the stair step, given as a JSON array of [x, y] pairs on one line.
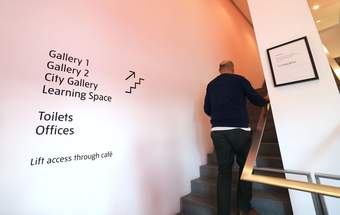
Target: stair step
[[208, 171], [270, 162], [270, 125], [212, 159], [264, 202], [272, 203], [270, 136], [195, 205], [266, 149], [206, 187], [262, 161], [211, 171], [269, 149]]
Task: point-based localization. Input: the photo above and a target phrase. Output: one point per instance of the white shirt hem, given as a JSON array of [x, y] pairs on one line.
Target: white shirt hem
[[229, 128]]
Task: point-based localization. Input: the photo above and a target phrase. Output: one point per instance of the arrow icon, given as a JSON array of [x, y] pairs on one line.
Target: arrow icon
[[132, 74]]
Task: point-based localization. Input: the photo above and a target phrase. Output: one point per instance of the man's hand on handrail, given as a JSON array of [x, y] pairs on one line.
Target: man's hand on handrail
[[267, 98]]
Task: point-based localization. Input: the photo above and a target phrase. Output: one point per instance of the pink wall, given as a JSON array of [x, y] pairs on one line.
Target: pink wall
[[159, 135]]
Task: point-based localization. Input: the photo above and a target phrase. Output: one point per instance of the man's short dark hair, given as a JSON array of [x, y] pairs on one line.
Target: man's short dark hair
[[226, 63]]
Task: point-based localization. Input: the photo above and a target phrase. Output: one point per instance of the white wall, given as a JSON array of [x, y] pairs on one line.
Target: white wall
[[307, 115], [159, 135]]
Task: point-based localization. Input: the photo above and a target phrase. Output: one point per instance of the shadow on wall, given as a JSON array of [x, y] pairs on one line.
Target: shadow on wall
[[203, 127]]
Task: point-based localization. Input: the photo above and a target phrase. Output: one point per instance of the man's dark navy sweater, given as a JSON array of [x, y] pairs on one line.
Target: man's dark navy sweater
[[225, 101]]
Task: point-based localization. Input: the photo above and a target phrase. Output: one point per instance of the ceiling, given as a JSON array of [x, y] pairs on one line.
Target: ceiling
[[328, 13], [327, 20], [326, 16], [331, 39]]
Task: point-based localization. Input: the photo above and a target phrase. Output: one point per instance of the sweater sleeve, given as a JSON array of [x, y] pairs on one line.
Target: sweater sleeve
[[253, 96], [207, 107]]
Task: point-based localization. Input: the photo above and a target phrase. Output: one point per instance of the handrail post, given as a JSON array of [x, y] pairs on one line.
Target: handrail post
[[316, 200]]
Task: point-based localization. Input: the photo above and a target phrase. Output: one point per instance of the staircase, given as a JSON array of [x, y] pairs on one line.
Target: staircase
[[267, 200]]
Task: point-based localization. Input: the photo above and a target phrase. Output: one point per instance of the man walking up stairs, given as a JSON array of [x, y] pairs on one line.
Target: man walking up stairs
[[225, 103]]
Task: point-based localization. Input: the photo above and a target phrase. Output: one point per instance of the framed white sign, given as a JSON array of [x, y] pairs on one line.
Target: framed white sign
[[292, 62]]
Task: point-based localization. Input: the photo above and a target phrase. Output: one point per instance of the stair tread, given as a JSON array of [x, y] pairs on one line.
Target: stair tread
[[208, 202], [269, 157], [258, 195], [210, 182], [269, 143], [259, 156], [269, 160], [262, 143], [215, 167], [205, 180], [204, 201], [210, 166]]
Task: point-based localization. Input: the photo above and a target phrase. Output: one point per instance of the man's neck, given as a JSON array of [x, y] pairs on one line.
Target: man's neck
[[227, 73]]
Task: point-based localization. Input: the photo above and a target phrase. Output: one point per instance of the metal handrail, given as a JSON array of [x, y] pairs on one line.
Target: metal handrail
[[318, 176], [295, 172], [249, 167], [327, 176], [318, 200]]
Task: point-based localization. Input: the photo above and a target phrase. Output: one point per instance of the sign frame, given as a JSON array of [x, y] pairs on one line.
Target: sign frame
[[290, 50]]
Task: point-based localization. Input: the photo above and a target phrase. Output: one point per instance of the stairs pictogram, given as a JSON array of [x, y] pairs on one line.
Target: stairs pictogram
[[139, 82]]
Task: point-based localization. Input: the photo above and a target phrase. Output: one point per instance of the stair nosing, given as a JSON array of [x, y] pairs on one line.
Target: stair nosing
[[206, 201]]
